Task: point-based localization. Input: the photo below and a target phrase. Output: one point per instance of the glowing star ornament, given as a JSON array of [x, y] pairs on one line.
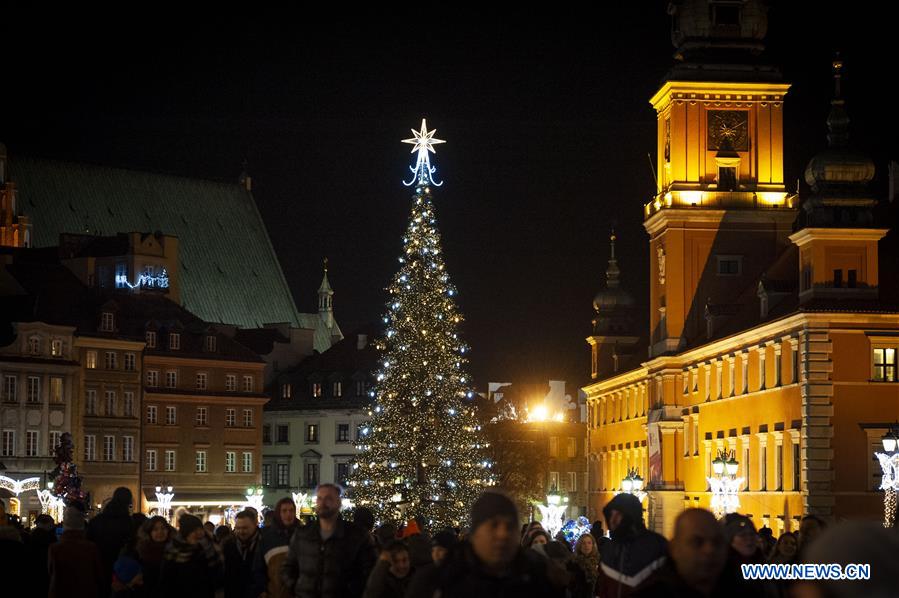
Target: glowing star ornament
[[423, 142]]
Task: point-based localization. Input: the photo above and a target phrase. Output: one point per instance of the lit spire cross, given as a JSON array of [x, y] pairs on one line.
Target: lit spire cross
[[423, 142]]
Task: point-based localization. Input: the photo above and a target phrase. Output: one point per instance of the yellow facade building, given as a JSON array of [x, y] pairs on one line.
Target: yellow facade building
[[769, 337]]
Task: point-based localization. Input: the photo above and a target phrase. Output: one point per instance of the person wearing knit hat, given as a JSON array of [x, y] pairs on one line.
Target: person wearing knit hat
[[72, 519], [442, 544], [192, 567]]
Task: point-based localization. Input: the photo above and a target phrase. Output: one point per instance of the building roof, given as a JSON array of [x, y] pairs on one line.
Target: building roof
[[227, 260]]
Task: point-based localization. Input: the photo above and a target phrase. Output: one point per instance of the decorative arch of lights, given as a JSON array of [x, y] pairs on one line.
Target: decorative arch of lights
[[19, 486]]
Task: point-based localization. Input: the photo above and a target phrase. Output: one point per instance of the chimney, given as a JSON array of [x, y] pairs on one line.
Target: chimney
[[361, 341]]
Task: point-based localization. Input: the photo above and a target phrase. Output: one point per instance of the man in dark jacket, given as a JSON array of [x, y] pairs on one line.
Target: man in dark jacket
[[272, 550], [328, 558], [491, 562], [74, 562], [110, 531], [191, 565], [240, 552], [634, 553], [42, 537]]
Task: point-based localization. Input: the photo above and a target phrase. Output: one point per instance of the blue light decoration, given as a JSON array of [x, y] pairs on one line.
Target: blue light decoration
[[574, 529], [160, 281], [423, 141]]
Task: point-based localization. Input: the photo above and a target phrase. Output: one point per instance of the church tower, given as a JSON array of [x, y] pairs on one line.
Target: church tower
[[15, 228], [721, 211]]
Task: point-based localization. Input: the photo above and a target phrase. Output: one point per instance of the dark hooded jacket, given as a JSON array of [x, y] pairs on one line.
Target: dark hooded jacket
[[111, 531], [634, 553]]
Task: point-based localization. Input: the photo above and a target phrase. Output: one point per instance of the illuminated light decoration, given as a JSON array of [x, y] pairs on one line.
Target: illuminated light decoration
[[889, 465], [164, 496], [724, 484], [160, 281], [633, 484], [574, 529], [423, 141], [17, 487], [552, 514], [254, 498]]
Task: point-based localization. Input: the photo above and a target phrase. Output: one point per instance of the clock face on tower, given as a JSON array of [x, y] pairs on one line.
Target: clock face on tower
[[728, 129]]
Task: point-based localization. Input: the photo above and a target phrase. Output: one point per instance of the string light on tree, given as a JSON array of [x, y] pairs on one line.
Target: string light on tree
[[422, 453], [889, 465]]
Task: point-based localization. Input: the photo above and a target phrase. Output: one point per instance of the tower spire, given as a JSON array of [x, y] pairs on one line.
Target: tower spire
[[325, 297], [423, 141], [837, 119], [612, 271]]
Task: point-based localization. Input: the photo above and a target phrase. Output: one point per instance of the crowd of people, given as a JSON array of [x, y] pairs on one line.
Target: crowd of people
[[121, 554]]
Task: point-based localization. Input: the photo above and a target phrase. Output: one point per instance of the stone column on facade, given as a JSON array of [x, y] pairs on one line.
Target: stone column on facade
[[688, 434], [744, 367], [816, 367], [795, 373], [762, 352], [763, 461], [794, 446], [745, 455], [778, 463], [707, 459], [718, 369], [707, 369], [669, 456], [731, 362]]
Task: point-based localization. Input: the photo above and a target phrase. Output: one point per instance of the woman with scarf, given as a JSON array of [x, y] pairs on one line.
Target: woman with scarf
[[586, 556], [191, 564]]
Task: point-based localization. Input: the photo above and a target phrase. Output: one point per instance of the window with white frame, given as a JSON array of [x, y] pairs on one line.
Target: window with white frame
[[170, 416], [171, 378], [128, 406], [200, 461], [127, 449], [56, 348], [110, 403], [210, 344], [90, 360], [153, 378], [174, 341], [248, 383], [248, 462], [285, 391], [170, 460], [360, 388], [130, 362], [316, 389], [554, 480], [110, 360], [202, 379], [230, 461], [55, 440], [8, 445], [34, 345], [343, 433], [312, 433], [230, 417], [56, 389], [202, 416], [34, 389], [283, 475], [151, 414], [107, 322], [151, 459], [32, 443], [10, 391], [337, 389], [150, 337], [248, 418], [884, 364], [90, 447], [572, 481], [231, 382], [108, 448]]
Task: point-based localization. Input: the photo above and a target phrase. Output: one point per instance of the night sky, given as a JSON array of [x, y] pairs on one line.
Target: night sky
[[547, 123]]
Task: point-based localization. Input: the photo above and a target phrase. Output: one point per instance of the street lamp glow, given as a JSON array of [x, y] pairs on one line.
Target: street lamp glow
[[632, 483], [725, 485], [889, 465]]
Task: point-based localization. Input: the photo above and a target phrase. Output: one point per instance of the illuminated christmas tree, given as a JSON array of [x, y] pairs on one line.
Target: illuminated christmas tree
[[422, 454]]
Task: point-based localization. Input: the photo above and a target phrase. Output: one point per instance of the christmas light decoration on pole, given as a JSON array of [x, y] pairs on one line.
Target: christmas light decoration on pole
[[164, 495], [889, 464], [422, 453], [632, 483], [552, 514], [254, 498], [725, 484]]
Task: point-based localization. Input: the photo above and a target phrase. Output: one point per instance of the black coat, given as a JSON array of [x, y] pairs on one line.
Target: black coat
[[37, 551], [111, 531], [190, 571], [239, 568], [334, 568]]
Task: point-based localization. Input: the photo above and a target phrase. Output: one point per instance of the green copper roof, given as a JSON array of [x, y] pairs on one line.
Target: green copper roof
[[229, 270]]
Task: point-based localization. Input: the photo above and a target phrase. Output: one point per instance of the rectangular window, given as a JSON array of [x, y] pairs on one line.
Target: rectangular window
[[121, 276], [110, 360], [231, 382], [107, 323], [553, 446], [283, 475], [312, 433], [8, 448], [572, 447], [230, 417], [34, 345], [248, 418], [10, 393], [127, 449], [885, 364], [342, 473], [283, 433], [311, 475], [151, 460], [779, 468], [130, 362], [151, 414], [34, 389], [797, 468], [248, 462], [360, 388], [230, 461], [90, 447], [174, 341], [56, 348], [129, 404], [285, 391], [248, 383], [746, 463], [795, 364], [109, 448], [763, 468], [55, 389], [210, 344], [32, 443], [554, 480], [316, 389], [170, 416], [153, 378], [201, 461], [837, 279], [572, 481], [202, 416], [343, 432], [267, 474], [201, 380], [852, 281], [110, 403], [171, 379], [266, 434], [55, 440], [170, 460], [151, 339], [729, 265], [337, 389]]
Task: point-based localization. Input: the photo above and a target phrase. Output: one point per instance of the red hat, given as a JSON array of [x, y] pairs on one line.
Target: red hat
[[411, 529]]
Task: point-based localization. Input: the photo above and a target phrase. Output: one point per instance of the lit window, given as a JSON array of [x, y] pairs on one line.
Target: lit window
[[316, 389], [56, 348], [56, 389], [337, 389], [885, 364], [312, 433], [285, 391]]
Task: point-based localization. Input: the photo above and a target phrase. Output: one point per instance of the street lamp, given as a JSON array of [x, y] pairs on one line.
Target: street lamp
[[553, 512], [889, 464], [254, 498], [632, 483], [164, 495], [725, 484]]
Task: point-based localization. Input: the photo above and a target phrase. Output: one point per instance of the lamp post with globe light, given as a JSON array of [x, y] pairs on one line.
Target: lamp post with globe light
[[632, 483], [889, 464], [553, 512], [164, 495], [725, 484]]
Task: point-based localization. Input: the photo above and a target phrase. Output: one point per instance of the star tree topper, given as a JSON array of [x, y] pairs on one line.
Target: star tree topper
[[423, 142]]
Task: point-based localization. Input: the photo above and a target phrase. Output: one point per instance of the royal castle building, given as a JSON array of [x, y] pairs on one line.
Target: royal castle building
[[770, 336]]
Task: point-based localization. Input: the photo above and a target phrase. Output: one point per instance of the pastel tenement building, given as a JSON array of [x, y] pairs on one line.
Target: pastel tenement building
[[770, 333]]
